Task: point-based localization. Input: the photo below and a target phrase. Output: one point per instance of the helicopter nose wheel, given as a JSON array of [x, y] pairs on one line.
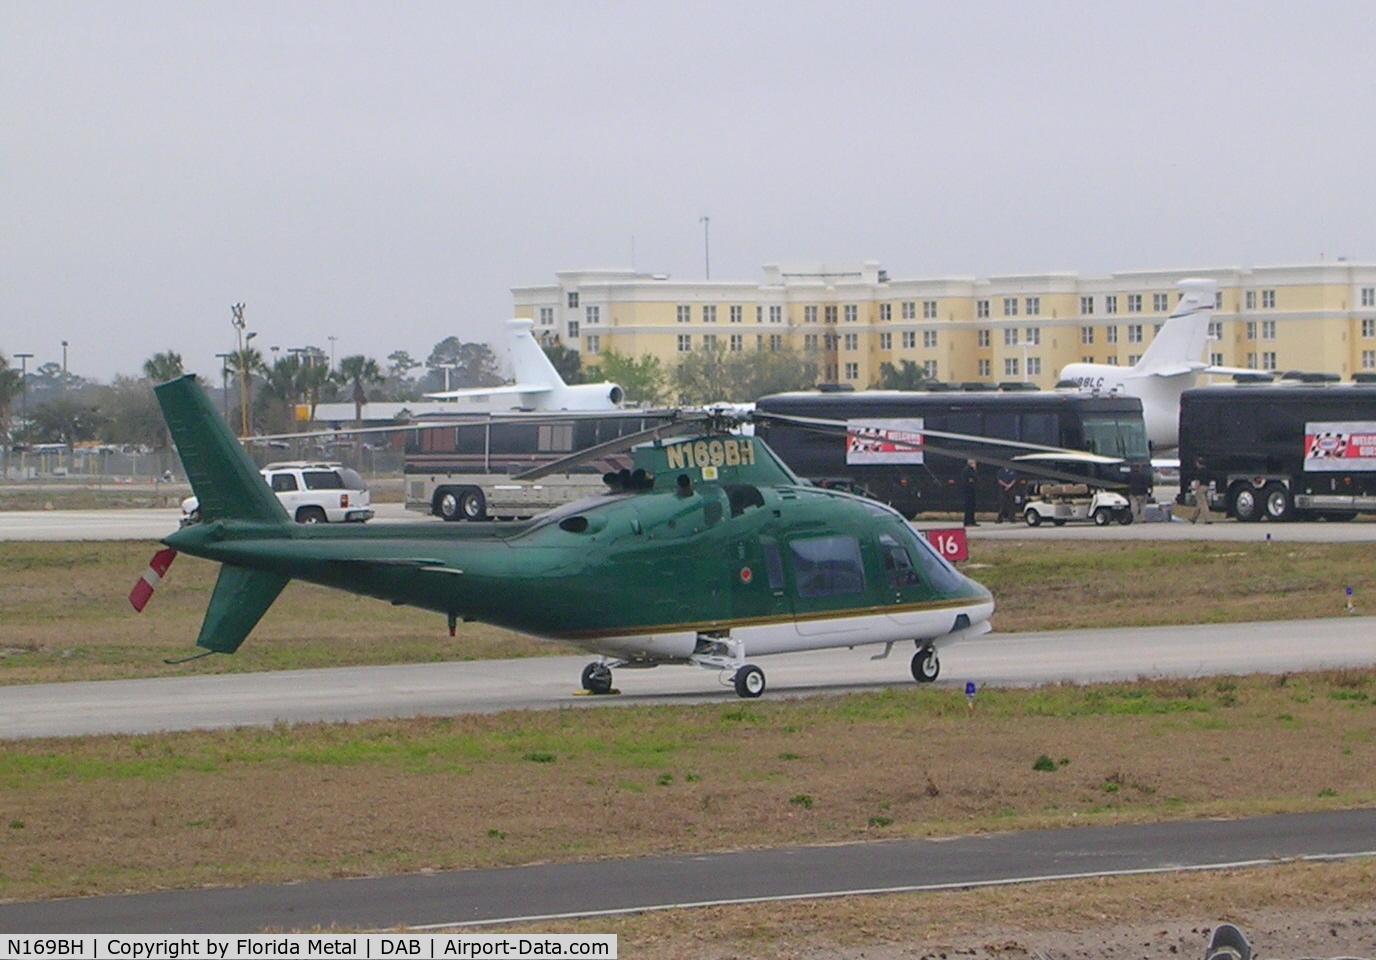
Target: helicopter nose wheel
[[749, 681], [926, 666], [597, 678]]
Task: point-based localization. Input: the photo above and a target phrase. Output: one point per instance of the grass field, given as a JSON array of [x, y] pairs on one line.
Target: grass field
[[107, 814]]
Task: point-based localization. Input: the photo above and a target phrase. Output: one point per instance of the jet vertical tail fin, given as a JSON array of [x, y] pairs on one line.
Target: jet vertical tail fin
[[529, 363], [1179, 345], [226, 482]]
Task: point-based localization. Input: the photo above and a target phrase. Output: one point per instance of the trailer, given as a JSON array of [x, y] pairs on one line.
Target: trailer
[[1281, 451]]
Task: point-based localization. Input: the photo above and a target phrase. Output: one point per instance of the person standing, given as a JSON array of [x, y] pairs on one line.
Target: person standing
[[1199, 486], [969, 483], [1008, 494]]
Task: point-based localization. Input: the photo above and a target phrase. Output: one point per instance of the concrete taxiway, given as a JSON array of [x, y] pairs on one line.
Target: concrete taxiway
[[437, 689]]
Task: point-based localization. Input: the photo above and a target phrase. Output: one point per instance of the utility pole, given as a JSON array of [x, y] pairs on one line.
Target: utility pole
[[24, 359], [239, 323]]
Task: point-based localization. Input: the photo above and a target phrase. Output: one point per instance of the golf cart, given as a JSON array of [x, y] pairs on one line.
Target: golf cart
[[1059, 502]]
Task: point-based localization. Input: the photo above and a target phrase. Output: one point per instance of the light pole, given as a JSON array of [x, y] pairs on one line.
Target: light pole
[[64, 366], [224, 384], [24, 359], [332, 340], [706, 244]]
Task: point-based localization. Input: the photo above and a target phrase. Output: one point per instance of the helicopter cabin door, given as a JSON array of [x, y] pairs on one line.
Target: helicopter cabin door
[[828, 581]]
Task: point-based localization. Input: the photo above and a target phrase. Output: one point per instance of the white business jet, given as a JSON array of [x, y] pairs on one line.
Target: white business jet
[[1171, 364], [538, 385]]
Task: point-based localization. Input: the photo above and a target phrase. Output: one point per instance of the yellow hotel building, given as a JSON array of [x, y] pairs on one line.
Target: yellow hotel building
[[1312, 317]]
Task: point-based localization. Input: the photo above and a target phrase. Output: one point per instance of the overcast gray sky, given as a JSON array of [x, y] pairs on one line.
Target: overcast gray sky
[[384, 173]]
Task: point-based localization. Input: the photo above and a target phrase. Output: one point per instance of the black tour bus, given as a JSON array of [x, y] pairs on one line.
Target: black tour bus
[[1284, 451], [920, 474]]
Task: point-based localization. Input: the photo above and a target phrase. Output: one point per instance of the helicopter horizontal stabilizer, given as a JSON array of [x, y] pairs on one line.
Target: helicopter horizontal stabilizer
[[241, 598]]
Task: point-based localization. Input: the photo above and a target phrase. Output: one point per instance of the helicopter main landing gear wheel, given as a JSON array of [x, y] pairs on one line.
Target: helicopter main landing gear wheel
[[597, 679], [749, 681], [926, 666]]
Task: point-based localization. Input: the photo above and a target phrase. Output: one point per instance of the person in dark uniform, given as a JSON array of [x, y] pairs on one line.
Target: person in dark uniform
[[969, 482], [1008, 494]]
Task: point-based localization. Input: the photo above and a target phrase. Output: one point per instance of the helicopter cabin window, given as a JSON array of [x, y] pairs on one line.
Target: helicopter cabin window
[[898, 563], [827, 566], [742, 497]]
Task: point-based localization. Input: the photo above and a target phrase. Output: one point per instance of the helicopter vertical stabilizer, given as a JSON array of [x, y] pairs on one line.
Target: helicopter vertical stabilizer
[[229, 487]]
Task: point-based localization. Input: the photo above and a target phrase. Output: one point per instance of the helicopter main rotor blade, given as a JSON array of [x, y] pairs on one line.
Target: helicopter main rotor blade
[[471, 420], [595, 452]]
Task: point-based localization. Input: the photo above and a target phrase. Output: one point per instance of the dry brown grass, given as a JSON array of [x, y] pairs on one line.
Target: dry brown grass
[[319, 801]]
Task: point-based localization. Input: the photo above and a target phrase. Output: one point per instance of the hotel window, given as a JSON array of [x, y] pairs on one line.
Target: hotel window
[[1111, 360], [1268, 302], [1268, 360], [685, 313], [1268, 329], [759, 313], [776, 342], [1086, 335], [1251, 300], [1034, 336], [1369, 327], [829, 313], [1133, 358], [573, 299], [736, 342], [852, 371], [1216, 359], [592, 343], [1134, 303], [852, 341], [982, 309], [736, 313], [929, 368], [546, 316], [909, 339], [593, 315], [1134, 333], [852, 313], [1087, 306], [1010, 306], [1034, 306], [709, 342], [928, 309], [886, 311], [1010, 367], [1251, 329], [929, 339], [709, 313], [1251, 361], [1087, 358], [1369, 296], [886, 341], [809, 341], [573, 329], [984, 368], [1160, 302], [685, 343], [1369, 359], [1010, 336], [810, 314], [909, 309], [1111, 303], [1110, 334], [776, 313], [1215, 330], [1034, 366], [982, 338]]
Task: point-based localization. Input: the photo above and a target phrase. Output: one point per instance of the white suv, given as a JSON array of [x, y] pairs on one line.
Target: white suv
[[311, 492]]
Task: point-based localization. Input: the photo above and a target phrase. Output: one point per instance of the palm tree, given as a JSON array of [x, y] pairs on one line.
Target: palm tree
[[11, 386], [162, 367], [245, 364], [359, 371]]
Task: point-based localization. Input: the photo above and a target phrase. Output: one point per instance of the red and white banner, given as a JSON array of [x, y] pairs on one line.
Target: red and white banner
[[884, 441], [1339, 446]]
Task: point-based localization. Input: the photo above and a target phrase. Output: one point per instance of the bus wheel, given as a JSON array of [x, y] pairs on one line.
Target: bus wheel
[[447, 504], [1246, 503], [472, 504], [1279, 506]]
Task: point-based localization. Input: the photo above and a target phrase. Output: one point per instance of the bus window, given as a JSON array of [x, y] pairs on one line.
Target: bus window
[[1110, 437], [1040, 428]]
